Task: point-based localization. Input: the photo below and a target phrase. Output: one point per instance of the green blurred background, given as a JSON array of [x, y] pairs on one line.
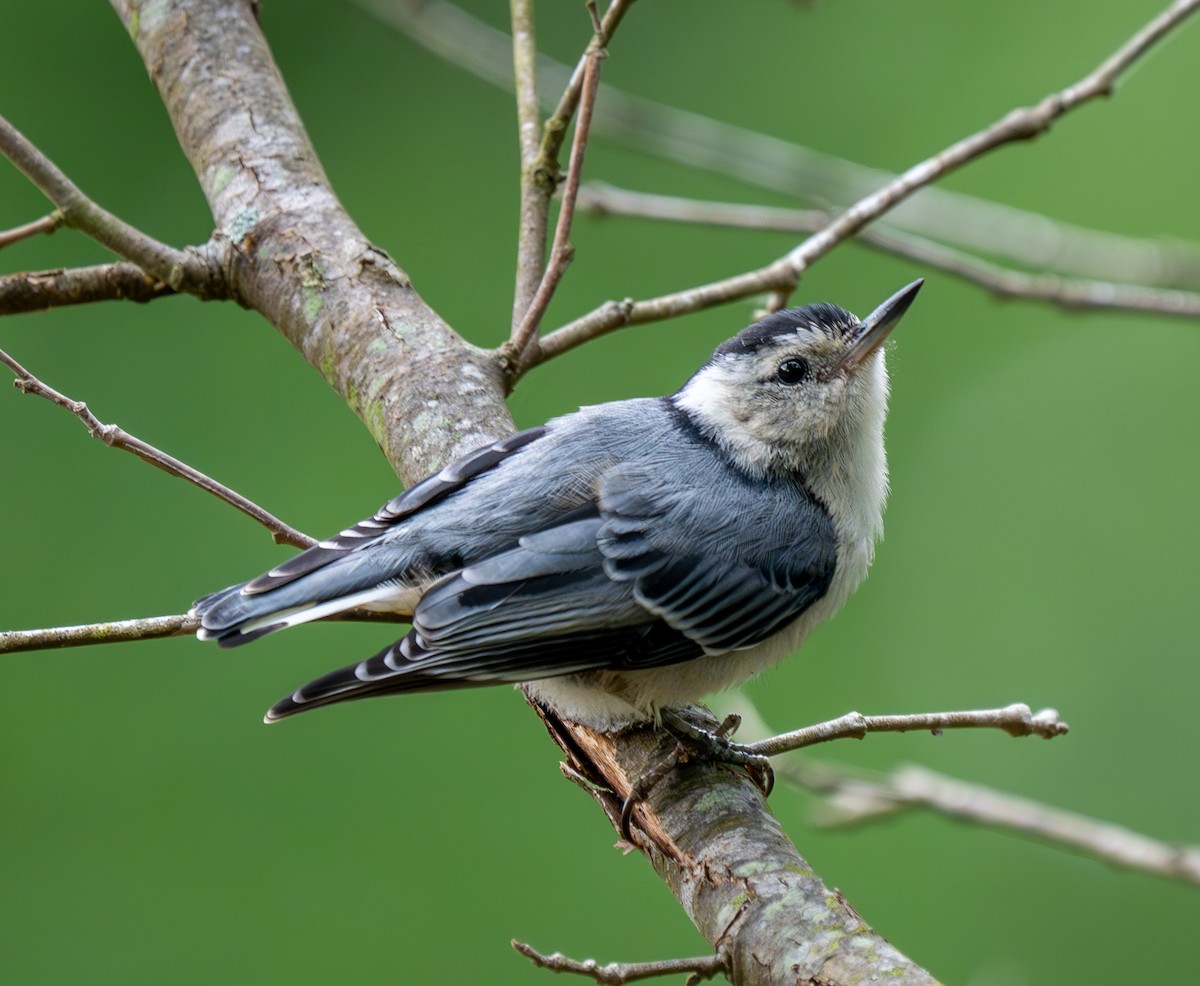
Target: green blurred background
[[1041, 544]]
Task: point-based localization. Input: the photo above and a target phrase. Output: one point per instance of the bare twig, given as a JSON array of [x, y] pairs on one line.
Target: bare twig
[[1023, 123], [121, 281], [1015, 719], [540, 169], [1020, 124], [116, 437], [47, 225], [556, 125], [855, 798], [618, 973], [185, 270], [1076, 294], [562, 251], [120, 631], [1004, 282], [603, 199], [537, 184], [768, 162]]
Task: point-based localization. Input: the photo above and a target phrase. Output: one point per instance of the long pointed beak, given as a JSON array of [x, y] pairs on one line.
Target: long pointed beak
[[876, 326]]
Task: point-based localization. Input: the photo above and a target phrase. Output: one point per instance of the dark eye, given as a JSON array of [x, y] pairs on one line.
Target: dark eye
[[792, 370]]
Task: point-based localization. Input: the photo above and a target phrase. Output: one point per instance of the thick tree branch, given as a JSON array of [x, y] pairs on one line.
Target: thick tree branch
[[117, 437], [782, 276], [193, 270], [768, 162], [711, 837], [121, 281], [297, 257], [1003, 282]]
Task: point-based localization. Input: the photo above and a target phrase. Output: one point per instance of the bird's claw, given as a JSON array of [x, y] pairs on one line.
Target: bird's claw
[[693, 740]]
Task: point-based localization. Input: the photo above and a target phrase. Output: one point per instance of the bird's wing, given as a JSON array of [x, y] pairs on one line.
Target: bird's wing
[[399, 508], [337, 574], [543, 608], [625, 584], [727, 566]]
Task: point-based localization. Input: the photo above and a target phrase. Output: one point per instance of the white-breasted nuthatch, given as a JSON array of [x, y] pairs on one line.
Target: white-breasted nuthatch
[[629, 557]]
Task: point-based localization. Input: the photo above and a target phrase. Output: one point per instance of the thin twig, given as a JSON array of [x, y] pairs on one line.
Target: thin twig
[[119, 631], [556, 125], [116, 437], [1023, 123], [1004, 282], [147, 628], [1076, 294], [540, 174], [184, 270], [603, 199], [1015, 719], [537, 184], [768, 162], [562, 251], [120, 281], [47, 225], [618, 973], [782, 275], [855, 799], [855, 796]]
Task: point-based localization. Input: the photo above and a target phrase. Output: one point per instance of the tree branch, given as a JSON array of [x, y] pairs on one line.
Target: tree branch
[[855, 798], [540, 174], [193, 270], [116, 437], [768, 162], [618, 973], [782, 276], [47, 225], [561, 252], [855, 795], [1023, 123], [709, 835], [1003, 282], [122, 281], [120, 631], [537, 185], [296, 256], [1016, 720]]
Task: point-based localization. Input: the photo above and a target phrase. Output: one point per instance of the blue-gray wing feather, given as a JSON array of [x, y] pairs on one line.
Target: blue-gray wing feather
[[728, 572], [653, 573], [423, 494]]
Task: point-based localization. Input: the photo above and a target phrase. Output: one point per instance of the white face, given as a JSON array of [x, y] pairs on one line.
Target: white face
[[789, 402]]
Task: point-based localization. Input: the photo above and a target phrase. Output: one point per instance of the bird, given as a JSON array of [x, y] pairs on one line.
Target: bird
[[626, 559]]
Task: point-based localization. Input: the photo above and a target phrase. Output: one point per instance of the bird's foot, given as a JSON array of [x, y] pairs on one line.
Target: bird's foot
[[693, 740]]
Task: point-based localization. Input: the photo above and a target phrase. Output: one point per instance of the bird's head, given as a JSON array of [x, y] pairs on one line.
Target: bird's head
[[798, 387]]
